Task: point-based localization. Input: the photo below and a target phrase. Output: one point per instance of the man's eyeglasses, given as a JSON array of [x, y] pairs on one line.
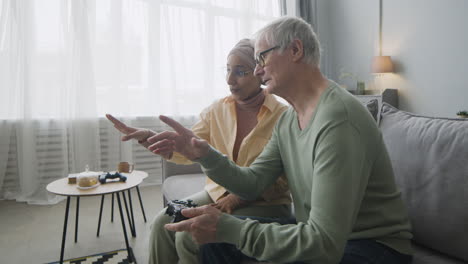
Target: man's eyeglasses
[[260, 58], [237, 71]]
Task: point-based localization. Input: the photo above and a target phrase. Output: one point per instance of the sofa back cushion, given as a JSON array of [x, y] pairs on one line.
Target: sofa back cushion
[[373, 107], [430, 160], [171, 169]]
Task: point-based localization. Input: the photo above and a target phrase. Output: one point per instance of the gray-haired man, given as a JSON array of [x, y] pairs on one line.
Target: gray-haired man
[[347, 206]]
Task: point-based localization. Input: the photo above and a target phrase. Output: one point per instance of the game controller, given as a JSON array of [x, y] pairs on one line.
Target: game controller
[[103, 177], [175, 207]]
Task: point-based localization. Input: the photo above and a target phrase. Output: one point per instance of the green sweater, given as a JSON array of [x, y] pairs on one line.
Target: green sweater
[[340, 177]]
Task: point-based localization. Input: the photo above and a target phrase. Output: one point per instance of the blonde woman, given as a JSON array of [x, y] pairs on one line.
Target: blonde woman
[[239, 126]]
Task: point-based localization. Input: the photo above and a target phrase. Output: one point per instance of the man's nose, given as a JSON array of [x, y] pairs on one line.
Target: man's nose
[[258, 71]]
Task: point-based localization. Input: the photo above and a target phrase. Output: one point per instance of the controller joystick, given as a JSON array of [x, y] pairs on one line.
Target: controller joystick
[[175, 207], [103, 177]]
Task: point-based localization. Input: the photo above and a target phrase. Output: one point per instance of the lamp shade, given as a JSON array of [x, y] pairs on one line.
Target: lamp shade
[[382, 64]]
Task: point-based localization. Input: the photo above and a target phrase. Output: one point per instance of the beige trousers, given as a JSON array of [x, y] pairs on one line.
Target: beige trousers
[[167, 247]]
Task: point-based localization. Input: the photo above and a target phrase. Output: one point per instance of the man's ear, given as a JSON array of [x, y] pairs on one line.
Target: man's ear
[[297, 50]]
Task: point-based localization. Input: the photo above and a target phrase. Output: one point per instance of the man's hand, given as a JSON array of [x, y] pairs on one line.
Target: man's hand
[[201, 224], [181, 140], [229, 203]]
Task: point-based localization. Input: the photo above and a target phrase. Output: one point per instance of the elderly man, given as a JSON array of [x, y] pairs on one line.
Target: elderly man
[[347, 206]]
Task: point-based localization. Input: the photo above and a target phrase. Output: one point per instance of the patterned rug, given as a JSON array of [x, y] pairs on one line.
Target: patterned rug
[[112, 257]]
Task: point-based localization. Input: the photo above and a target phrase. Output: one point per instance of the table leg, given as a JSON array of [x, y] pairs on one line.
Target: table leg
[[131, 212], [131, 257], [76, 217], [141, 203], [128, 214], [112, 209], [64, 234], [100, 216]]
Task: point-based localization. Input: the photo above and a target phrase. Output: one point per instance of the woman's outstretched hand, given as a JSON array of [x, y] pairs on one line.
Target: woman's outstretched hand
[[129, 132], [182, 140], [139, 134]]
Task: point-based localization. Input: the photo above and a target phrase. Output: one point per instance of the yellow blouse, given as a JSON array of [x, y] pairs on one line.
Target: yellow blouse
[[218, 126]]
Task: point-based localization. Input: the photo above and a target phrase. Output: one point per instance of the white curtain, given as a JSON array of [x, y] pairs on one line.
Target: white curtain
[[65, 63]]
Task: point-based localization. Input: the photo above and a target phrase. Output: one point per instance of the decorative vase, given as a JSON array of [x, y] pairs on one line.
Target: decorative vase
[[360, 88]]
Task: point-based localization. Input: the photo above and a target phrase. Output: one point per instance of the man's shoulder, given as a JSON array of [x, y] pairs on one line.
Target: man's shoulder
[[342, 109], [287, 116], [273, 104], [339, 105]]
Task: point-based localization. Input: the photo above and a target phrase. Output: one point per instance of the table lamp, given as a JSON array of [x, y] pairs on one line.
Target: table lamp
[[382, 64]]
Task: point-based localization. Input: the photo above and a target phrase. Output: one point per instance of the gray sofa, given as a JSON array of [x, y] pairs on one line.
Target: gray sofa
[[430, 160]]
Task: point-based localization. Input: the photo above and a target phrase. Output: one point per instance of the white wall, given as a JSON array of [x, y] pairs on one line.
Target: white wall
[[427, 39]]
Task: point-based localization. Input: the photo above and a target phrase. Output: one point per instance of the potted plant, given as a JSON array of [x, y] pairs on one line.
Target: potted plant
[[462, 114]]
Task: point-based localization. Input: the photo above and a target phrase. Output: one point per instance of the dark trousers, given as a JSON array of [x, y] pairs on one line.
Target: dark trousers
[[362, 251]]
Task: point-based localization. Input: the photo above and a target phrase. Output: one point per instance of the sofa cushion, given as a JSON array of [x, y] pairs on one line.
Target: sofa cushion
[[183, 185], [430, 161], [373, 107], [423, 255]]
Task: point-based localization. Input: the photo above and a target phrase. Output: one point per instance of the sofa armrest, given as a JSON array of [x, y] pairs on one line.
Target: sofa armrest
[[170, 169], [172, 187]]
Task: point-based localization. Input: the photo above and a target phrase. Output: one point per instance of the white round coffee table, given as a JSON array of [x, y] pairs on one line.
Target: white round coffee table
[[62, 187]]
